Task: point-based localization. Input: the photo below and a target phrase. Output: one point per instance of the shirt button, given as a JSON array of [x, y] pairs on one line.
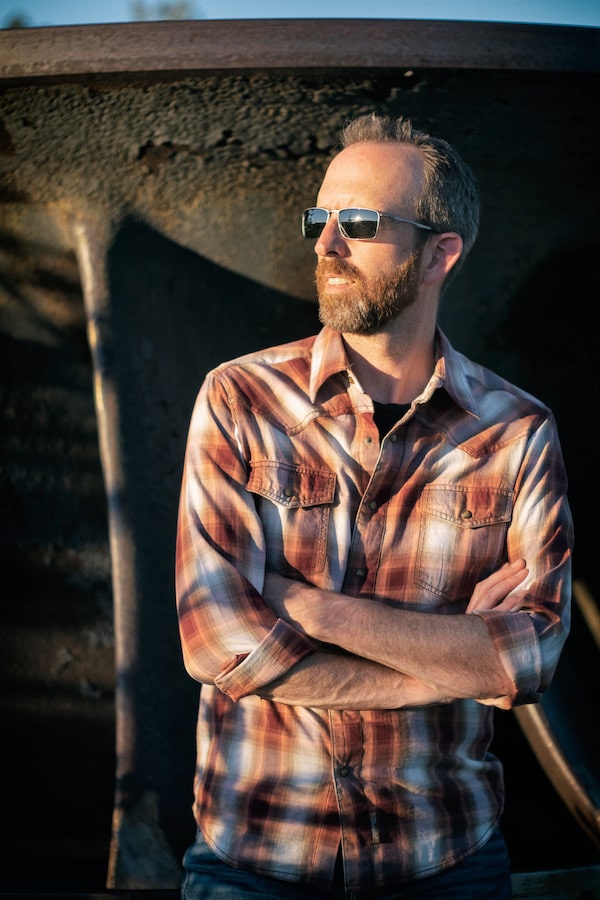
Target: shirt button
[[368, 440], [361, 573], [343, 771], [372, 504], [287, 492], [466, 514]]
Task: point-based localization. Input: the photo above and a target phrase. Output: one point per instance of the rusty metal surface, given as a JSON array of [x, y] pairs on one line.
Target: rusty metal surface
[[140, 855], [177, 47], [156, 187]]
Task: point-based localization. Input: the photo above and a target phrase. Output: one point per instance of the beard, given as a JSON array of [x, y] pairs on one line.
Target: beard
[[366, 307]]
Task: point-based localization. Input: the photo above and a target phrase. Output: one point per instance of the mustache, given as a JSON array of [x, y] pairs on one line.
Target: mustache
[[327, 267]]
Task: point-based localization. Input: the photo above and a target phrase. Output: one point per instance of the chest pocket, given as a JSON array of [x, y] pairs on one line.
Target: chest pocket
[[462, 536], [294, 503]]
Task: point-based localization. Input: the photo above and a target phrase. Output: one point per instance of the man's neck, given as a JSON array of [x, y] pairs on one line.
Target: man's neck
[[392, 367]]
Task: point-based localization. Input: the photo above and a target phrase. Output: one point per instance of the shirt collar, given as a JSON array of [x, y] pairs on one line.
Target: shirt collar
[[451, 371], [329, 359]]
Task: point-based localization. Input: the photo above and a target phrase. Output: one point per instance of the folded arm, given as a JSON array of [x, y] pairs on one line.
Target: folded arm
[[251, 636], [332, 680], [454, 655]]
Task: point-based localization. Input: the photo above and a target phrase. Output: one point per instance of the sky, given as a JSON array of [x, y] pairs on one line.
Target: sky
[[39, 13]]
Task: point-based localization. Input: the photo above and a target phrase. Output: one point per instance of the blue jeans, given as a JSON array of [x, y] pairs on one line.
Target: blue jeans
[[484, 875]]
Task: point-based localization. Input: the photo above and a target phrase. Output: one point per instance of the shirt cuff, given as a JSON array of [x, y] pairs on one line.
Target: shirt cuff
[[281, 649], [517, 645]]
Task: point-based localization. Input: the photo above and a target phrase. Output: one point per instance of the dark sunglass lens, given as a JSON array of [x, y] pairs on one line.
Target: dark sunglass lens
[[359, 224], [313, 222]]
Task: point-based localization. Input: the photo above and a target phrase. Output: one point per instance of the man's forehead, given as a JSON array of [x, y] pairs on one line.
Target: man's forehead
[[386, 167], [372, 154]]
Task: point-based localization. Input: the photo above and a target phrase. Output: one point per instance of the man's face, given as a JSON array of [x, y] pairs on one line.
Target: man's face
[[364, 284]]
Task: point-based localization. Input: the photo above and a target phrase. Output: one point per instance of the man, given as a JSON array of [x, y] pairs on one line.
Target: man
[[374, 551]]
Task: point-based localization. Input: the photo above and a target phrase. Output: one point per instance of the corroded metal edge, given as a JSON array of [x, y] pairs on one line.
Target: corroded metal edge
[[161, 49]]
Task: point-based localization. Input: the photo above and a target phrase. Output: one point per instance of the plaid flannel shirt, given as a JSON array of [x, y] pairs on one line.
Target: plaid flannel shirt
[[285, 471]]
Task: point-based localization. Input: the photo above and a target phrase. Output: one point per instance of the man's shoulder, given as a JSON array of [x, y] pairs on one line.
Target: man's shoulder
[[269, 357], [491, 382], [267, 379], [481, 381]]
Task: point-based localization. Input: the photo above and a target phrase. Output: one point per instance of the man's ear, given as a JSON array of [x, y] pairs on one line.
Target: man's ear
[[442, 252]]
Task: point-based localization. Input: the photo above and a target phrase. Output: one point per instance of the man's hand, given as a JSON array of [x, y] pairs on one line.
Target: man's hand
[[494, 592]]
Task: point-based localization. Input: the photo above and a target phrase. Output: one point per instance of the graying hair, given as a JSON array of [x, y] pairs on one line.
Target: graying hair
[[450, 197]]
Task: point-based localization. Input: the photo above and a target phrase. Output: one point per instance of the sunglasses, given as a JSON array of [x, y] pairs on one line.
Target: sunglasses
[[354, 224]]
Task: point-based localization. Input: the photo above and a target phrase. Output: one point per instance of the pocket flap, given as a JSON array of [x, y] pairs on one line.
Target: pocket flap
[[292, 485], [469, 507]]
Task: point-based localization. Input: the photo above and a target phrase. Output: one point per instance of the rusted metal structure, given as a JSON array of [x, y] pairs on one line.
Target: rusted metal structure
[[171, 159]]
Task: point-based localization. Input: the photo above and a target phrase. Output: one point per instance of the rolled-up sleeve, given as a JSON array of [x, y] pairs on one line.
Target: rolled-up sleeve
[[282, 648], [529, 642]]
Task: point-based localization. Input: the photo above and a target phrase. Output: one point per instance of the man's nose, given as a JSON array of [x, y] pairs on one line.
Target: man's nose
[[331, 241]]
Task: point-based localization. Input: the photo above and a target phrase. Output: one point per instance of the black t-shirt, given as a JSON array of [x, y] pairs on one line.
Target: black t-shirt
[[387, 414]]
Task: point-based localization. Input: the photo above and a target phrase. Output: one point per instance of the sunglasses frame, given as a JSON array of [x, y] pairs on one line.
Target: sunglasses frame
[[357, 209]]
